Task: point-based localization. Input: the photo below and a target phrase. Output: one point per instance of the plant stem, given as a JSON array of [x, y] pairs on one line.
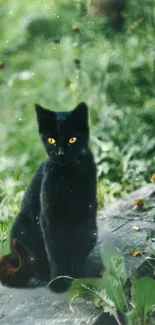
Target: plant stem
[[117, 318]]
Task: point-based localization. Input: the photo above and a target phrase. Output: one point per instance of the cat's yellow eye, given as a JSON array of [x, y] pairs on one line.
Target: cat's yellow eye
[[51, 141], [72, 140]]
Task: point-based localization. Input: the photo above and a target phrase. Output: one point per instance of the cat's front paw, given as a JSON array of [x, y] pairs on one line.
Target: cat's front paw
[[59, 285]]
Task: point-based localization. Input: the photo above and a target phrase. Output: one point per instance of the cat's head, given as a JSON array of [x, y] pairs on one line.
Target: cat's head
[[64, 134]]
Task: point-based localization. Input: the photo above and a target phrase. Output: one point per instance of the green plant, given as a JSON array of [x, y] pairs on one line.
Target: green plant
[[132, 299]]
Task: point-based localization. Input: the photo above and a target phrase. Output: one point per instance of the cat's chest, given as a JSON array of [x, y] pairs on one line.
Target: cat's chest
[[68, 194], [63, 187]]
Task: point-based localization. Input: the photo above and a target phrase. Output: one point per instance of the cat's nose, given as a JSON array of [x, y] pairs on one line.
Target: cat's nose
[[60, 151]]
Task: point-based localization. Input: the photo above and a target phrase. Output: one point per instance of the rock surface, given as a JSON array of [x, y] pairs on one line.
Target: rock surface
[[39, 306]]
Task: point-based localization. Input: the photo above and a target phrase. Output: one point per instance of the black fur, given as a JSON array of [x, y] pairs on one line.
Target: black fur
[[57, 220]]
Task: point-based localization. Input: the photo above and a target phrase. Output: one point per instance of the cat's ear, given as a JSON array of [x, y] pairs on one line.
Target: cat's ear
[[45, 117], [39, 109], [42, 113], [80, 115]]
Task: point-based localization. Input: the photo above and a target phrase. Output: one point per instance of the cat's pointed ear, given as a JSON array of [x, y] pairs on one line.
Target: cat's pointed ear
[[41, 112], [38, 109], [80, 114], [45, 117]]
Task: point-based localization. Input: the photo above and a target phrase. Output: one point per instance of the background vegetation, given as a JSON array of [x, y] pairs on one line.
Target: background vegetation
[[45, 59]]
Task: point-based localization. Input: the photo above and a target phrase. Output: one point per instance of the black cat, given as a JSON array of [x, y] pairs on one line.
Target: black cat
[[56, 227]]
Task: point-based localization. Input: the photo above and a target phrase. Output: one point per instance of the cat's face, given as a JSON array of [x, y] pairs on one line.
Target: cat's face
[[64, 134]]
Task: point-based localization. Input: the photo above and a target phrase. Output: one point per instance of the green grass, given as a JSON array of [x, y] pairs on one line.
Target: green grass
[[116, 78]]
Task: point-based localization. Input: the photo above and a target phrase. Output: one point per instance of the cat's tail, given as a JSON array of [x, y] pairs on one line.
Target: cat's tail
[[17, 276]]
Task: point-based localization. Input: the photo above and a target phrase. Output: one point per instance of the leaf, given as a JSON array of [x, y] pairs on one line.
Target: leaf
[[108, 305], [131, 317], [139, 203], [153, 178], [101, 295], [85, 289], [134, 252], [114, 265], [143, 295], [118, 268], [108, 252], [115, 292], [114, 279], [75, 29], [79, 287]]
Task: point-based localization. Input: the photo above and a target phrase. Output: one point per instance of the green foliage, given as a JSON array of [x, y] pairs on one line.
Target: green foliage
[[5, 227], [114, 280], [91, 289], [143, 295], [113, 293], [10, 198]]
